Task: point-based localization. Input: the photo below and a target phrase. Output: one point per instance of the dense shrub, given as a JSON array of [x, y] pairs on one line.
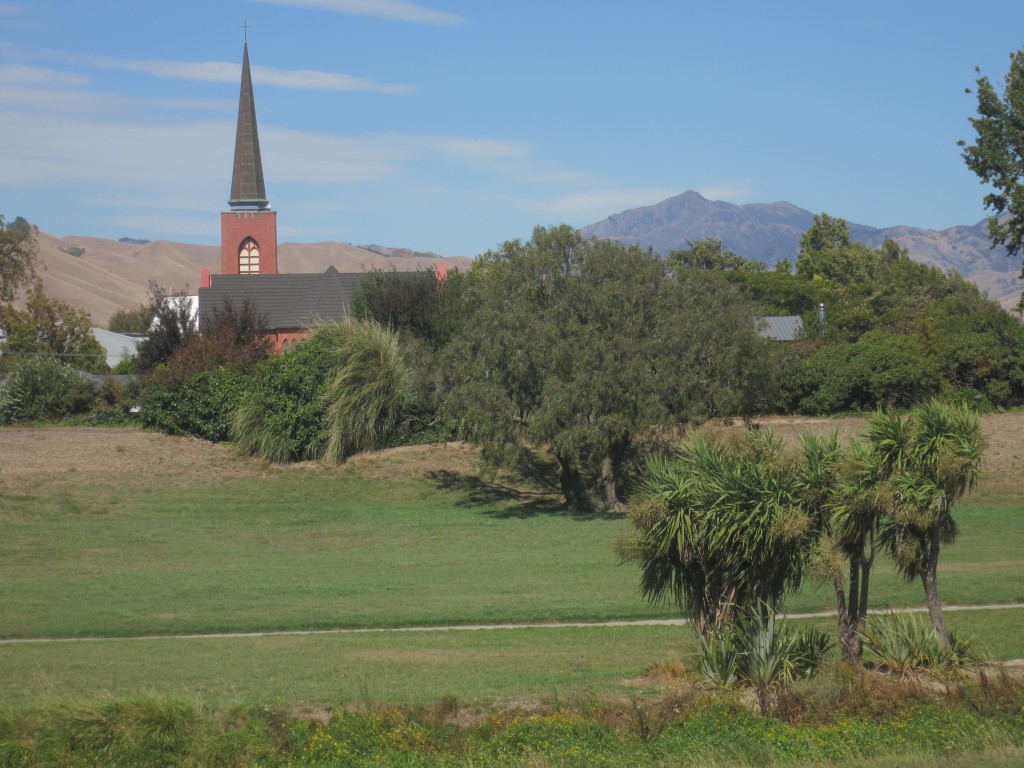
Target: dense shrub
[[202, 406], [132, 320], [416, 303], [44, 389], [282, 416], [881, 369]]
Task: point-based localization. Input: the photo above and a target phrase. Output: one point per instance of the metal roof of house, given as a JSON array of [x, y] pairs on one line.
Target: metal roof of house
[[118, 345], [287, 301], [783, 328]]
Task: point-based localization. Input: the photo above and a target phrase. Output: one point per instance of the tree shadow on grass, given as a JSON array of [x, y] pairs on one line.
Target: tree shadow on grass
[[529, 490]]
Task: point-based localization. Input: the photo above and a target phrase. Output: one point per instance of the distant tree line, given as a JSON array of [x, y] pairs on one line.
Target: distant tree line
[[596, 352]]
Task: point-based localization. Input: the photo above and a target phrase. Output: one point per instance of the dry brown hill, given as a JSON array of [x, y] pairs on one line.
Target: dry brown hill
[[103, 276]]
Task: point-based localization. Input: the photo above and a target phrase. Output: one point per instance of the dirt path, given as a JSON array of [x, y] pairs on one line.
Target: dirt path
[[463, 627]]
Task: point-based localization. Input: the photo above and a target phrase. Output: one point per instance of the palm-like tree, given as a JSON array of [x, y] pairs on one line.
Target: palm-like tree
[[846, 493], [933, 457], [719, 528]]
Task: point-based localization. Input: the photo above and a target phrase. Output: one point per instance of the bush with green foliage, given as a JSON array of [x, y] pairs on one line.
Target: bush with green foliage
[[762, 652], [136, 320], [348, 388], [416, 303], [200, 386], [44, 389], [896, 331], [202, 406], [282, 417], [173, 326], [881, 369]]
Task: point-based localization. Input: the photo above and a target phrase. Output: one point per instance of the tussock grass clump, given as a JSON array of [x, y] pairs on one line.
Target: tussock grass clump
[[904, 644]]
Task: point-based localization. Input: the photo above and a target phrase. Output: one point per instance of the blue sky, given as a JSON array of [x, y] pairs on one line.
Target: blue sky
[[451, 126]]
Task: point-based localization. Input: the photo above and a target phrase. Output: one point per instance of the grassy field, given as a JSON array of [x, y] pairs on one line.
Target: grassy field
[[114, 540], [390, 542], [492, 667]]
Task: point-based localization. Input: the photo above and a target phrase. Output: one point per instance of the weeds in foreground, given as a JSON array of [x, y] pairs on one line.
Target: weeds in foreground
[[701, 729]]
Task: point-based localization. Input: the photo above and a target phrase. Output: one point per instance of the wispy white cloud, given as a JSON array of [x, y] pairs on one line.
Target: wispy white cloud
[[38, 151], [225, 72], [195, 71], [16, 16], [22, 75], [82, 102], [397, 10], [313, 158], [325, 81]]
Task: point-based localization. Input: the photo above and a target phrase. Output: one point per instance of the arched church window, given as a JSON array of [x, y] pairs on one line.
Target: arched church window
[[249, 258]]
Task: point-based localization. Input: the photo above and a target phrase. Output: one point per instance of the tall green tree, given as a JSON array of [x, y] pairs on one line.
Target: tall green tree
[[932, 457], [173, 326], [585, 346], [846, 494], [18, 260], [827, 252], [997, 154], [711, 254], [50, 327]]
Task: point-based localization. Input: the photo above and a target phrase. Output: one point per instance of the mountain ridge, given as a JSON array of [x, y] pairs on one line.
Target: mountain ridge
[[770, 232], [103, 276]]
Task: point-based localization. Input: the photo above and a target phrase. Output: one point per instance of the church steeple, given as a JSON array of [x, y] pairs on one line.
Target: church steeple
[[247, 188], [248, 232]]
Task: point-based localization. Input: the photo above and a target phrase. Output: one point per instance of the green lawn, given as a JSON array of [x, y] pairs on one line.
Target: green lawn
[[479, 667], [328, 548]]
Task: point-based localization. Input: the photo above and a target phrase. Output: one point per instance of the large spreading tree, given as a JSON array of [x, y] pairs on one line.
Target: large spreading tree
[[585, 346], [997, 154]]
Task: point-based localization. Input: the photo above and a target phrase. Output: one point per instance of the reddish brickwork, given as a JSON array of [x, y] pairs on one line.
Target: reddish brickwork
[[236, 226], [282, 341]]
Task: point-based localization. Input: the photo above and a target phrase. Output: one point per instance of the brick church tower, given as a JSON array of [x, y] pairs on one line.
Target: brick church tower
[[248, 232]]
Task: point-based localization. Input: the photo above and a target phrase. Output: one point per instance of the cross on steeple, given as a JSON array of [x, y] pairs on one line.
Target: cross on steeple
[[245, 25]]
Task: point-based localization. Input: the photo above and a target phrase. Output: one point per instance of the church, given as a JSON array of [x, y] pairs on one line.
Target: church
[[290, 303]]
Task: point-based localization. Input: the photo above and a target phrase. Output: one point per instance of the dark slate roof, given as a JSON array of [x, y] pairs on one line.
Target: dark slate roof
[[785, 328], [247, 187], [288, 301]]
